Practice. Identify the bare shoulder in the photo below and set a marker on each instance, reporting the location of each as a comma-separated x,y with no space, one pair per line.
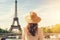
24,29
40,29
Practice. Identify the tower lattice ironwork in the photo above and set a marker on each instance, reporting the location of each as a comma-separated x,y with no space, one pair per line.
15,19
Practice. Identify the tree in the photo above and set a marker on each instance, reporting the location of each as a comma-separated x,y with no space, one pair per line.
56,28
3,31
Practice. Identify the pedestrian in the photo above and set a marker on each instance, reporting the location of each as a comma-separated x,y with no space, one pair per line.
3,38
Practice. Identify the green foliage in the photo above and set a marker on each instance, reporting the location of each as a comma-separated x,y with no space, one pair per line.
49,30
21,32
46,30
3,31
56,28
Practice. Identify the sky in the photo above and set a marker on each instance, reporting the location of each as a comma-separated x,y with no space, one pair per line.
48,10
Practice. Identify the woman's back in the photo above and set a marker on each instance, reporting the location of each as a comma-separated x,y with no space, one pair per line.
28,36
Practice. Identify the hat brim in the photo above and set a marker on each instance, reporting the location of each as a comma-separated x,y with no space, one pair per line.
34,20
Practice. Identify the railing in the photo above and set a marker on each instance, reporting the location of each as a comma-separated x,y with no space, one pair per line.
10,35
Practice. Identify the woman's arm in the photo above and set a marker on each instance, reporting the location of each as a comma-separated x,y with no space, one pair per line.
23,34
40,33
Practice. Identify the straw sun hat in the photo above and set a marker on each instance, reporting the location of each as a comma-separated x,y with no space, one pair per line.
32,18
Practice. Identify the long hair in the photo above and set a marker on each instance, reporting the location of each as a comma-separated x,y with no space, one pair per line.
33,28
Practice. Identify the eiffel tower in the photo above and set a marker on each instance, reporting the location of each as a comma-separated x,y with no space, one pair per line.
15,19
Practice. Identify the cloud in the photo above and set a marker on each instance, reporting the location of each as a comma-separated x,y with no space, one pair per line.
48,10
3,1
6,18
50,13
7,14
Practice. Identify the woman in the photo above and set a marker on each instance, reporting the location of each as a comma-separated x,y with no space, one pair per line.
31,31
